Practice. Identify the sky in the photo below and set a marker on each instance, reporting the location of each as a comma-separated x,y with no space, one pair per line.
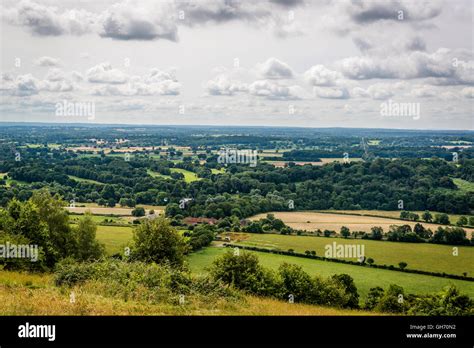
375,64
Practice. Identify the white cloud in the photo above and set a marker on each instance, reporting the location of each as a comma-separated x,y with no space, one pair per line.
47,20
468,92
331,92
104,73
156,83
133,20
272,90
222,85
437,65
319,75
273,68
46,61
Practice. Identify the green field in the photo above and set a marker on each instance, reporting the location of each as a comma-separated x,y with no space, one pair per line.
464,185
75,178
9,182
364,277
99,219
218,171
115,238
435,257
188,176
157,175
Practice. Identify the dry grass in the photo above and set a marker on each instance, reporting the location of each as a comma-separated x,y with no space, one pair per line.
312,221
280,164
96,210
45,299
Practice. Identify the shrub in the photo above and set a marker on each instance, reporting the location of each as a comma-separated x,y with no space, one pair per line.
373,297
242,271
392,301
448,302
350,288
140,281
157,241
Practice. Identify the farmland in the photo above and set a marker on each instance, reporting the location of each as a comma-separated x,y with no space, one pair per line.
98,176
435,258
311,221
364,277
115,238
395,214
117,211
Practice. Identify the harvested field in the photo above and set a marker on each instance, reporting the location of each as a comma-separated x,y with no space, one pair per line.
311,221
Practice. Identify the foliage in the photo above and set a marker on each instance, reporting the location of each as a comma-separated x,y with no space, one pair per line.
157,241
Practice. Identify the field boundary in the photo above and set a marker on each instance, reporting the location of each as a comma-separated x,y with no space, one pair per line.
384,217
354,263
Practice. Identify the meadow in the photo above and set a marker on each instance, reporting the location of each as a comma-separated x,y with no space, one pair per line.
364,277
188,176
115,238
420,256
95,209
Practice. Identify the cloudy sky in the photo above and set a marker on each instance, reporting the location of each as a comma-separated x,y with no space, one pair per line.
306,63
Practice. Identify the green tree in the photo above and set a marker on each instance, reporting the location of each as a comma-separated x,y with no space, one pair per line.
471,221
159,242
442,219
404,215
88,248
52,212
426,216
243,271
350,288
462,221
393,301
139,211
377,233
373,297
402,265
345,232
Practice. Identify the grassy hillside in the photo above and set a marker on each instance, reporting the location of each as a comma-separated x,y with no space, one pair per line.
27,294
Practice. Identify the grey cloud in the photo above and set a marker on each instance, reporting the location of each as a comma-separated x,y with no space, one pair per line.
130,21
104,73
139,20
275,69
46,61
437,65
272,90
331,92
288,3
47,21
363,12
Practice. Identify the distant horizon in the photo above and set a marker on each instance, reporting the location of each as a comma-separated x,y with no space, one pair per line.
24,123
